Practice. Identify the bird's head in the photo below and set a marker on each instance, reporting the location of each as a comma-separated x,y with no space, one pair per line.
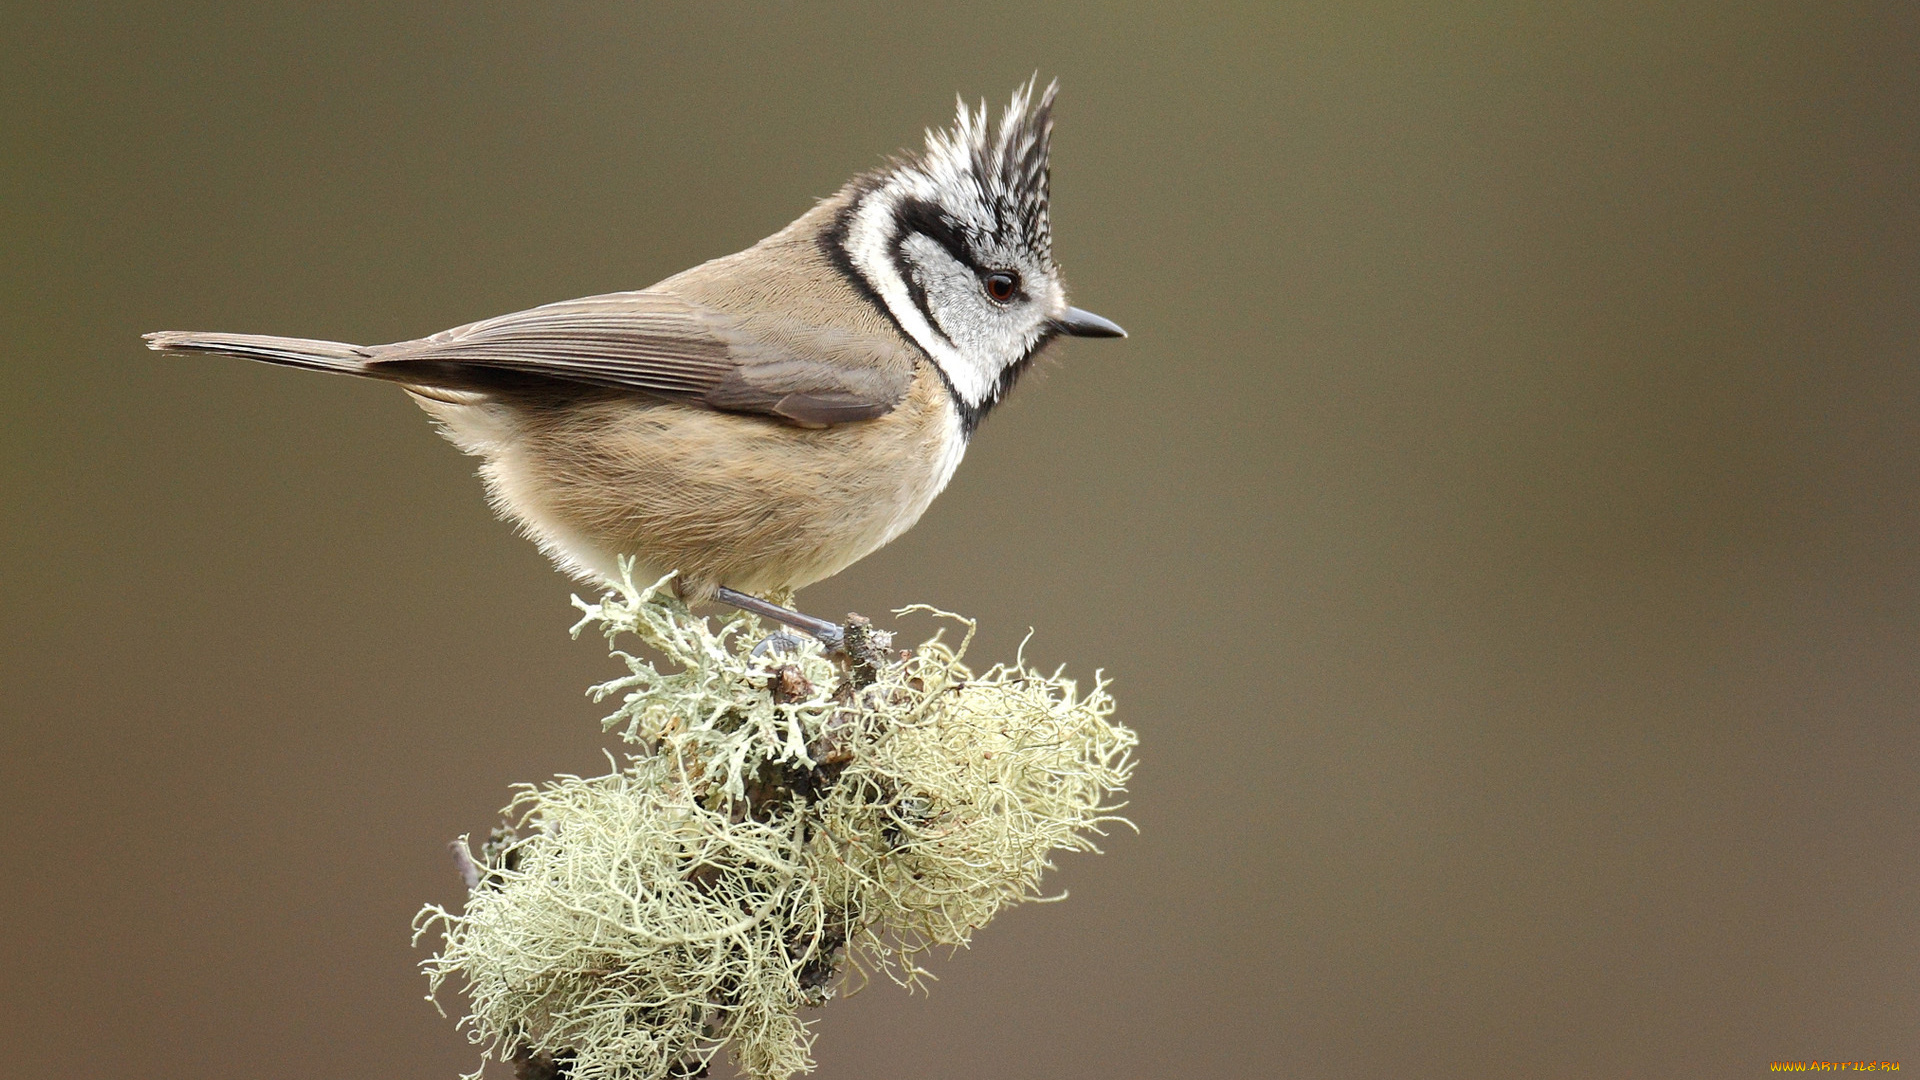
956,243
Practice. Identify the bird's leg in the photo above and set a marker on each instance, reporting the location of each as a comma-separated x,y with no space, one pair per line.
830,634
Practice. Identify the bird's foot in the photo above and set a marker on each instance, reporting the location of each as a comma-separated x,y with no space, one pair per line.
830,634
864,649
778,643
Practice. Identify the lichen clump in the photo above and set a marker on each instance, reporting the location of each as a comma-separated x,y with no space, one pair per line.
789,816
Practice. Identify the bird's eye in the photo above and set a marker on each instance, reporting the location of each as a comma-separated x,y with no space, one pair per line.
1001,285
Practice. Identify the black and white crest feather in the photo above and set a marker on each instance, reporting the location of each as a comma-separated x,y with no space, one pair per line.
921,235
1006,167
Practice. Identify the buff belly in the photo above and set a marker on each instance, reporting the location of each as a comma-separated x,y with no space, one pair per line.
725,499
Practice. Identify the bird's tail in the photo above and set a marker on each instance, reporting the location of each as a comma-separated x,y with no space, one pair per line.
334,356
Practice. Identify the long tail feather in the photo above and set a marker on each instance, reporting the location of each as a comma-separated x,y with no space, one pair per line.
334,356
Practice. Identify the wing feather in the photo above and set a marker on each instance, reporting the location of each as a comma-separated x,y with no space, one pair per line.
657,343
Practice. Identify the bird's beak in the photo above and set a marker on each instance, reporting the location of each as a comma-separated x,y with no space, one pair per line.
1078,323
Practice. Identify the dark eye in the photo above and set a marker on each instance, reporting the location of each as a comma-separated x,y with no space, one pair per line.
1002,284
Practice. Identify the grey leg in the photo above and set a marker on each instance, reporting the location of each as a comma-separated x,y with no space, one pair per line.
831,634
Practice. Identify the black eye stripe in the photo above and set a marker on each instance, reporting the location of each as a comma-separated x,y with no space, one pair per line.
920,216
926,219
916,292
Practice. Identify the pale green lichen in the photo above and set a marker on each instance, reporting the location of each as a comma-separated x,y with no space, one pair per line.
782,819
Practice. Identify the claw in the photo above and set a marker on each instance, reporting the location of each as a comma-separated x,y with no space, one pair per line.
778,643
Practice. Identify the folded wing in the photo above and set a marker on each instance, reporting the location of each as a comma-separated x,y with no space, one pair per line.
649,342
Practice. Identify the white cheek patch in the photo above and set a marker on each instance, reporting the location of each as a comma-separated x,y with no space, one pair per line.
870,239
993,336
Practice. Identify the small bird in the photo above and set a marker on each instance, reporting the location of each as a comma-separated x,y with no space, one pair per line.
766,419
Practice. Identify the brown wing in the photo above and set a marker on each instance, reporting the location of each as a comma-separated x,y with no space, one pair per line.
656,343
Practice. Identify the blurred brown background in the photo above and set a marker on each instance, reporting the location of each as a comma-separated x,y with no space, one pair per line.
1503,525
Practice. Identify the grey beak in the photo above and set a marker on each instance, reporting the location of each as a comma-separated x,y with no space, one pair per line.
1078,323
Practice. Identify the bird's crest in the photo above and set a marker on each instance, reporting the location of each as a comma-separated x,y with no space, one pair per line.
999,172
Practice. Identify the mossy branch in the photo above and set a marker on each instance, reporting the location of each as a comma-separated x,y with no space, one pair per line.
787,818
